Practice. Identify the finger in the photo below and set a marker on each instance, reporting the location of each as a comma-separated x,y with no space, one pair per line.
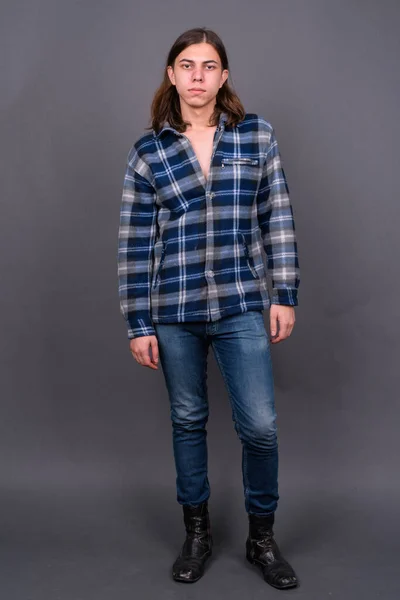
281,335
273,324
284,333
147,362
152,366
138,356
154,351
291,327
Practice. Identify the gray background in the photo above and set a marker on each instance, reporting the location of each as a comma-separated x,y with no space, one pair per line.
87,503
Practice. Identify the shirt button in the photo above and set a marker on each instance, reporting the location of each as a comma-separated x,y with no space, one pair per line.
210,273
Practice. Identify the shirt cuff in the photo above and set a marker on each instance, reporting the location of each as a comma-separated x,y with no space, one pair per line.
141,328
284,296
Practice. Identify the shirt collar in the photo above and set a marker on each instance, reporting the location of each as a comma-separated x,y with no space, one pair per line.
167,127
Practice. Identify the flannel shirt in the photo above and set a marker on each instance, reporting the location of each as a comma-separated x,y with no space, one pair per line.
190,248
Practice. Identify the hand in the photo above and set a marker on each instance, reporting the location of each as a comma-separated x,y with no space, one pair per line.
140,350
283,316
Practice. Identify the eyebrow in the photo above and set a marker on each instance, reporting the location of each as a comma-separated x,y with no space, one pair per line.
192,61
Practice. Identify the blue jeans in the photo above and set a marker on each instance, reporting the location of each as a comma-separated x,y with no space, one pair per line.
242,349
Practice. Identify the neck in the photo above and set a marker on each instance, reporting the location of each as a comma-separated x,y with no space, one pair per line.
198,117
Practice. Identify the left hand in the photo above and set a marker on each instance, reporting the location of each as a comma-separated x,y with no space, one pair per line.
282,319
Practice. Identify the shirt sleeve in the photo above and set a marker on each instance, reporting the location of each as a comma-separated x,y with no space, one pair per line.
276,221
136,238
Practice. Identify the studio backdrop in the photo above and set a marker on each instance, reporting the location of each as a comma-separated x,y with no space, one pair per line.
83,427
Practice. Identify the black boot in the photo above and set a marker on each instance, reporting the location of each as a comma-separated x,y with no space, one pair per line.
262,550
189,566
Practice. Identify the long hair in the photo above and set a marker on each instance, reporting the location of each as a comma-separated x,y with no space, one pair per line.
166,105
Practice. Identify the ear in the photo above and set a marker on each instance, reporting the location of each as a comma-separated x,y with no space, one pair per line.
171,75
224,76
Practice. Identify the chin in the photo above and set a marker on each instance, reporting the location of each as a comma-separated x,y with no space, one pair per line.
196,101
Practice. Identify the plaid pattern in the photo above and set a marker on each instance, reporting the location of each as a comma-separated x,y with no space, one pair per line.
190,249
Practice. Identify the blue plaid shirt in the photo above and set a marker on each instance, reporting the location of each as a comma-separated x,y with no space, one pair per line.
190,248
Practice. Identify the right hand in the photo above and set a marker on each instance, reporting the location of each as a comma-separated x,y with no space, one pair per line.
140,349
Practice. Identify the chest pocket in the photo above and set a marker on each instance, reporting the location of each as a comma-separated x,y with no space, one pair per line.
244,169
228,161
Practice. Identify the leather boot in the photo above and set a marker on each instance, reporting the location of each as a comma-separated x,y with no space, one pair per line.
189,566
262,551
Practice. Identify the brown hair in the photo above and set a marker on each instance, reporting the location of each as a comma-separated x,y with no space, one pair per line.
166,106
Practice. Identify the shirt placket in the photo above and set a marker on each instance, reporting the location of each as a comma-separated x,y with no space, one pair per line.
213,310
212,295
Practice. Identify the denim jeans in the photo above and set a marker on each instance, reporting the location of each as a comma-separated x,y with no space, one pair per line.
242,350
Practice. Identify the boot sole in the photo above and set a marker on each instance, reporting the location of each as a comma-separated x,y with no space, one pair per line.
183,580
278,587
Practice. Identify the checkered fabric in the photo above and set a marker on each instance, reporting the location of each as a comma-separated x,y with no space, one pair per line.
190,248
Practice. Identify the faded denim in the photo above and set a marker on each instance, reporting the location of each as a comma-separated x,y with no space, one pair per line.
242,350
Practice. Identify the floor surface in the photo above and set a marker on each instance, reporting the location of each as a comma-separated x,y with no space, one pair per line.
98,545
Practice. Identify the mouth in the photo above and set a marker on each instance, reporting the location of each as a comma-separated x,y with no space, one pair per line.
196,91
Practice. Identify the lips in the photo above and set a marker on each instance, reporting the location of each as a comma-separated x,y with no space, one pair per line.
196,90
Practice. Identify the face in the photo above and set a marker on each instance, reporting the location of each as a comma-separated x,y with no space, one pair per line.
198,75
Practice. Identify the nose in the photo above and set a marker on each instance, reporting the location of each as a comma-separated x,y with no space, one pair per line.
197,75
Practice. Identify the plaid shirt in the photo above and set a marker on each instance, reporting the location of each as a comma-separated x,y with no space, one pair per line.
190,248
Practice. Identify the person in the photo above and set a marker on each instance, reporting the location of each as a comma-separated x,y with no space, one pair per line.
204,193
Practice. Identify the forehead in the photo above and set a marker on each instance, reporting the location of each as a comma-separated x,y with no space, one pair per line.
199,53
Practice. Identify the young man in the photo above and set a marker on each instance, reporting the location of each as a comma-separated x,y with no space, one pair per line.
204,193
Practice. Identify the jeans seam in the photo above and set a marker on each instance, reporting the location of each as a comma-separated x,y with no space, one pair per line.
244,459
208,409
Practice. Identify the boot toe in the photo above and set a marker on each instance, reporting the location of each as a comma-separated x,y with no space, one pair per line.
282,581
185,574
288,581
